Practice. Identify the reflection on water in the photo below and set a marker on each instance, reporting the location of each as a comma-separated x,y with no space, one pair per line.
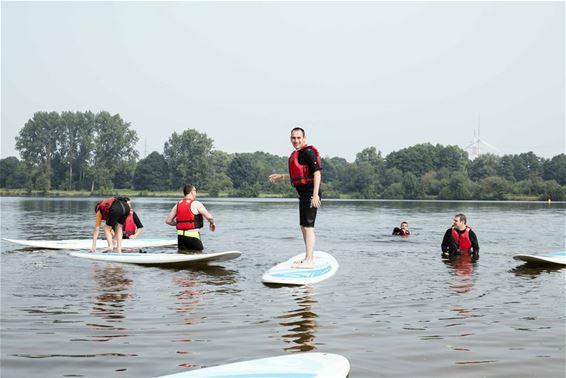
301,322
533,270
462,267
393,309
113,288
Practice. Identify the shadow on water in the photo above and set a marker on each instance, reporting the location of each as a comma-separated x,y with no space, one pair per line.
534,270
300,322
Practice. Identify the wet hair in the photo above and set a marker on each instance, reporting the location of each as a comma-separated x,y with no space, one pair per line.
188,188
299,129
97,206
402,223
462,217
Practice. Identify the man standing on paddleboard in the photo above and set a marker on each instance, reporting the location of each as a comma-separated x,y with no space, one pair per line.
305,174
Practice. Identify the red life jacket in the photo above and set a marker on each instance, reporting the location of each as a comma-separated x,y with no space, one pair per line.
129,224
104,207
463,239
301,174
186,220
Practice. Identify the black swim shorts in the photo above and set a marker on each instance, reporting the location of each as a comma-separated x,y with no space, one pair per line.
118,213
307,214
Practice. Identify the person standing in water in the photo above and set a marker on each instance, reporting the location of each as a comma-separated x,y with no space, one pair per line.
460,239
187,217
305,174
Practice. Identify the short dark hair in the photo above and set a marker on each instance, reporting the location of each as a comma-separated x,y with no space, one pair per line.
299,129
402,223
462,217
188,188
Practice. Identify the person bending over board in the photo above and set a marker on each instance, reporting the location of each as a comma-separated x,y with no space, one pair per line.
402,230
187,216
305,174
113,211
460,239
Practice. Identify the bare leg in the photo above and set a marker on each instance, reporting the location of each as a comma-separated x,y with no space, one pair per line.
109,238
118,233
309,238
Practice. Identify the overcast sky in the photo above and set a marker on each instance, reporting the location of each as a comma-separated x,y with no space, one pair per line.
354,75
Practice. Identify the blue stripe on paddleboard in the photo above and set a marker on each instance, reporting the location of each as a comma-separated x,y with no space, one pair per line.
555,254
303,273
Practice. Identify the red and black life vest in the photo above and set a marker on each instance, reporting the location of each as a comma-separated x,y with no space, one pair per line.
104,207
462,239
186,220
129,224
301,174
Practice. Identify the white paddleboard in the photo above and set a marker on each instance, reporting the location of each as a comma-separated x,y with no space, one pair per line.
87,243
157,258
325,266
296,365
547,258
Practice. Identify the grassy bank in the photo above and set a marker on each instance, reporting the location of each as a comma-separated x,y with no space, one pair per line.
173,194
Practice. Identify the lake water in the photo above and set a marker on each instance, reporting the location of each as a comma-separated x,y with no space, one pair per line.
394,309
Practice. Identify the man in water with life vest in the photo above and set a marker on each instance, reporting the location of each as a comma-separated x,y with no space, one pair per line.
402,230
305,175
113,211
460,239
187,216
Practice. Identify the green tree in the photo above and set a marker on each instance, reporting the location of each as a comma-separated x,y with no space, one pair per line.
188,156
418,159
459,188
493,188
114,144
553,190
37,142
13,173
452,157
484,166
152,173
555,169
243,169
411,187
505,168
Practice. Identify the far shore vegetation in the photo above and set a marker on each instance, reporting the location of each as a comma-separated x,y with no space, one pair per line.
79,154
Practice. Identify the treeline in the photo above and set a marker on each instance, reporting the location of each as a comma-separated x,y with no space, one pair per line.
96,152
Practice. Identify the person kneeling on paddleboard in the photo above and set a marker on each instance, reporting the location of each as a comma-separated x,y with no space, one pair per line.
460,239
113,211
187,217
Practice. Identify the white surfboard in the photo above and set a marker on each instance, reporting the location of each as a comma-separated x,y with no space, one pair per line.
547,258
325,266
158,258
87,243
296,365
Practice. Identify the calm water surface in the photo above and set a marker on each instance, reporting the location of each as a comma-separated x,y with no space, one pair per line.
394,309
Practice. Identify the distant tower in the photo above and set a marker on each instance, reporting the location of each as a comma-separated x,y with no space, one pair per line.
479,146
